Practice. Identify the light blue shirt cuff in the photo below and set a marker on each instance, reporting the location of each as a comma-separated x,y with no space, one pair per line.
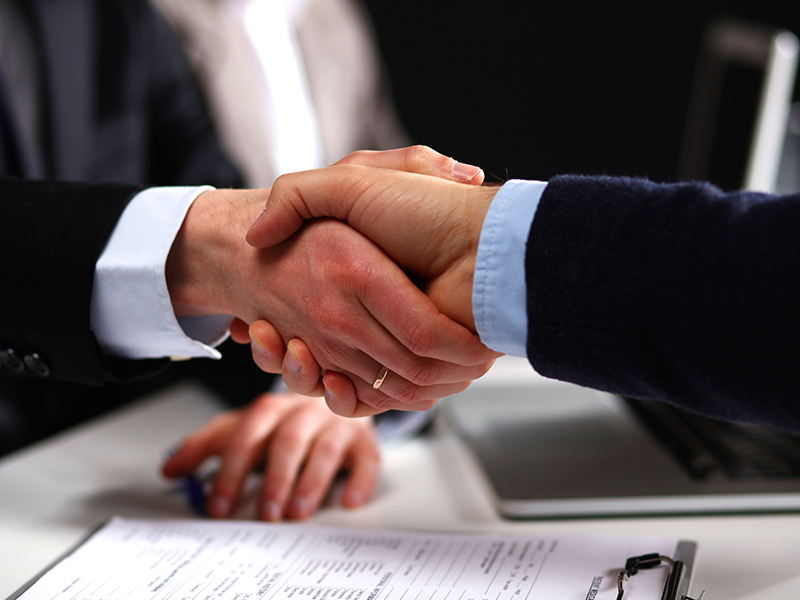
499,299
132,314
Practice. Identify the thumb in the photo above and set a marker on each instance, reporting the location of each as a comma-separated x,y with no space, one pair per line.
329,193
297,197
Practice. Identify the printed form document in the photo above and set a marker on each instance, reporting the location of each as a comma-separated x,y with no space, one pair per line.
244,560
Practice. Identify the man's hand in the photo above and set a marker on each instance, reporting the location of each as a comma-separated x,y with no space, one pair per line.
331,287
429,226
300,445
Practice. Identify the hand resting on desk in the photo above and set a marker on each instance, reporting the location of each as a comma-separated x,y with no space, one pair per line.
301,447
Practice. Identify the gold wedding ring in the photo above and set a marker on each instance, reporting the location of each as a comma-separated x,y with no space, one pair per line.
381,376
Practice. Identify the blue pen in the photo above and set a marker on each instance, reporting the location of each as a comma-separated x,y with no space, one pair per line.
195,490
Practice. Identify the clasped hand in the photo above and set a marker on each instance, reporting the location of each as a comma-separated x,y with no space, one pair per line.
354,309
409,204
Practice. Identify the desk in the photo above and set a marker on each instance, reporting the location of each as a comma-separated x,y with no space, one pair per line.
54,492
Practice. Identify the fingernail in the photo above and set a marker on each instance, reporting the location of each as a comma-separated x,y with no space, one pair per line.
219,506
254,343
292,363
301,507
353,498
270,510
465,172
261,216
330,398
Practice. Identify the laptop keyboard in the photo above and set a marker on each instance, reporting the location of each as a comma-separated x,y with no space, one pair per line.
706,447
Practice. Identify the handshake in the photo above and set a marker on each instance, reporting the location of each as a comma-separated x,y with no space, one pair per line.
369,302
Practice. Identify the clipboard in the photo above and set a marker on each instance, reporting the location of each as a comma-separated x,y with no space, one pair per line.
228,560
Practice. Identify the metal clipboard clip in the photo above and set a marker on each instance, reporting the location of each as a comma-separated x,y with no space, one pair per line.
648,561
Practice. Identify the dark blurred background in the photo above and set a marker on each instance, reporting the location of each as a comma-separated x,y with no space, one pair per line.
531,89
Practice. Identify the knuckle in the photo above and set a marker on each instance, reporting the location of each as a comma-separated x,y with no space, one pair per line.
418,155
409,394
329,447
380,401
281,182
277,484
335,320
289,441
416,399
237,447
356,157
419,339
263,402
423,373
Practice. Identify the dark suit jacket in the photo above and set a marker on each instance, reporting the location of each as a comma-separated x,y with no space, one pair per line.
118,105
673,292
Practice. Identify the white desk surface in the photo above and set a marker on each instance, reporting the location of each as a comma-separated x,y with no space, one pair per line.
51,495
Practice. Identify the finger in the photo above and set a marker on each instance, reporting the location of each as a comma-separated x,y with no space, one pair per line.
417,159
201,444
348,396
422,328
364,464
395,393
267,346
243,450
356,342
387,318
325,458
239,332
401,329
287,450
301,372
340,396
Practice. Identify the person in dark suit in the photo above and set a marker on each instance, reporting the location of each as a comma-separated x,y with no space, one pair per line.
115,103
98,107
676,292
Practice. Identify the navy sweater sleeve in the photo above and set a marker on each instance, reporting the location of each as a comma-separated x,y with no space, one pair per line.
680,293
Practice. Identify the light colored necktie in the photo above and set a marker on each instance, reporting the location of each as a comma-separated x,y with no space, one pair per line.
270,25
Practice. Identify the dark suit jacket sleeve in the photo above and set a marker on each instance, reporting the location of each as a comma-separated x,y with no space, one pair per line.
49,271
119,105
671,292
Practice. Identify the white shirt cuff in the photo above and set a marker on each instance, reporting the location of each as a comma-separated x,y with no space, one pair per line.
499,299
132,314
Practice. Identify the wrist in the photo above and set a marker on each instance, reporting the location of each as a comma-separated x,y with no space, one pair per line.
208,252
452,290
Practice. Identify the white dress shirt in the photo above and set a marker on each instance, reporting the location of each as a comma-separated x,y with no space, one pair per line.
132,313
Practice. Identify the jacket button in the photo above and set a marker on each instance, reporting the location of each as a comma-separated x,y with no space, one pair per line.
36,365
11,361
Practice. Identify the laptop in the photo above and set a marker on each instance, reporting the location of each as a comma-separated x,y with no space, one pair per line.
551,449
